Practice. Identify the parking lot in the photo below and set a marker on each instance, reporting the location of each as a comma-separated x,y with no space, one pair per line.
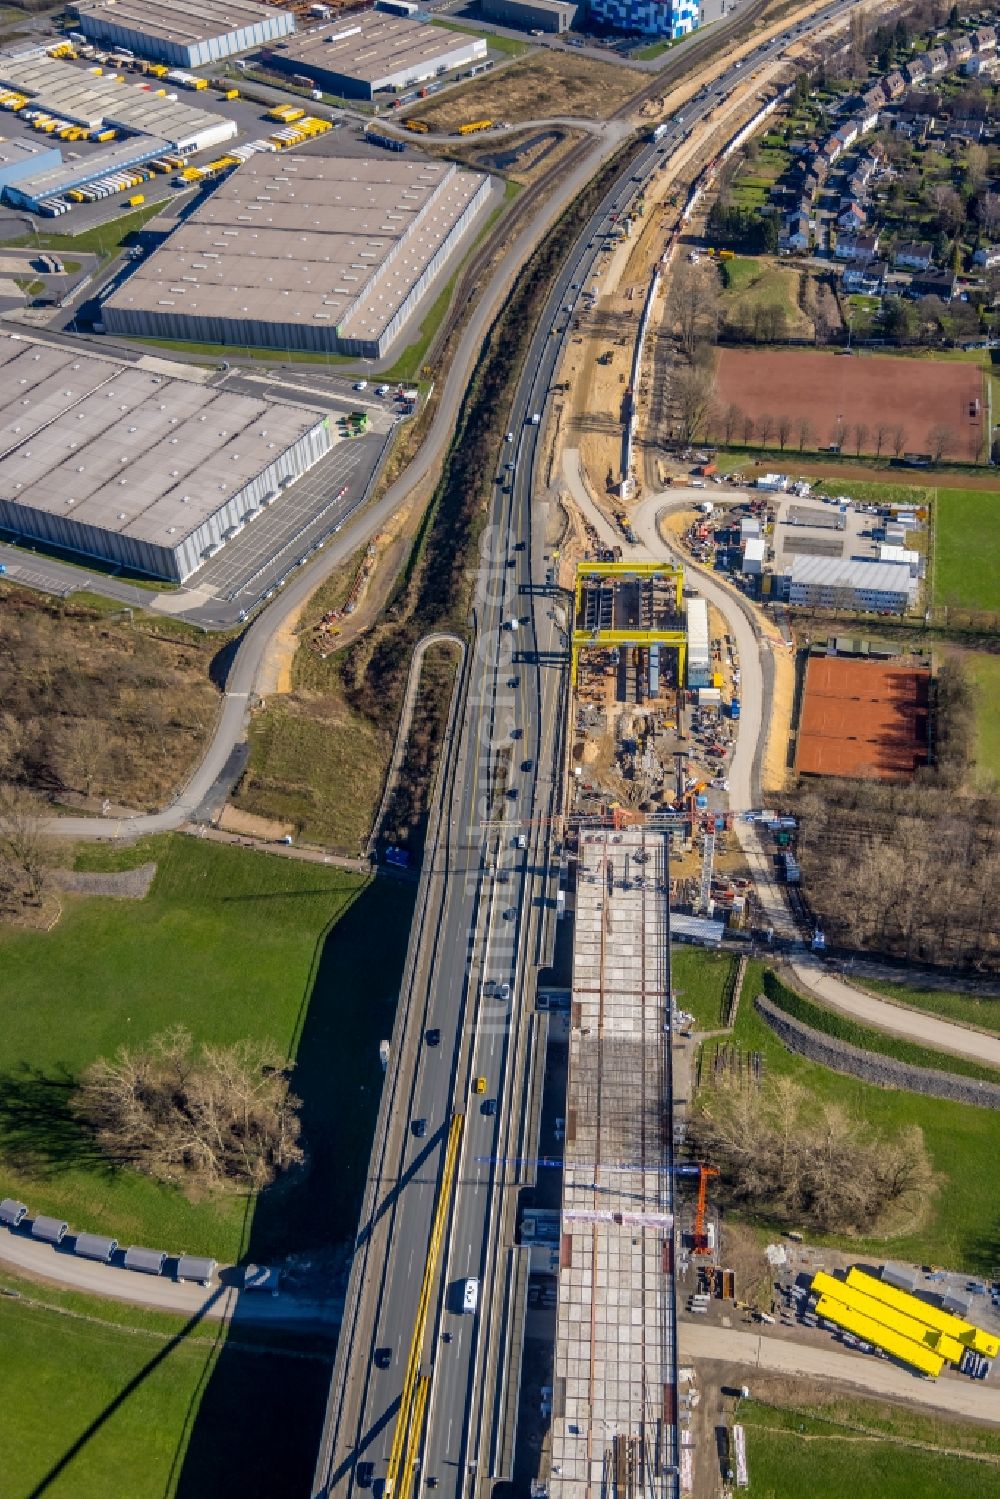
808,526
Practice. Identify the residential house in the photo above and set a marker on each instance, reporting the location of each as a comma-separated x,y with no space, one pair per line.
959,50
868,279
915,71
987,257
985,39
796,233
872,98
915,255
893,85
857,247
937,61
934,284
830,151
981,65
846,134
851,216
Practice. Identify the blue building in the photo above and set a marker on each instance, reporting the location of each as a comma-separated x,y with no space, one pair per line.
20,158
667,18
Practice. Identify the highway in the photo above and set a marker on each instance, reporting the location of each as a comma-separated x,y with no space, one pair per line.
485,915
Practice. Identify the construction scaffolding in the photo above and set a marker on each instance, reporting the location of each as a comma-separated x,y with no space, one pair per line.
614,1430
636,604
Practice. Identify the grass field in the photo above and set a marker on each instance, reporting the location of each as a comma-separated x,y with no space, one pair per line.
753,284
867,1450
984,670
963,1008
89,1408
830,1023
967,550
699,981
506,44
103,239
958,1226
877,494
230,943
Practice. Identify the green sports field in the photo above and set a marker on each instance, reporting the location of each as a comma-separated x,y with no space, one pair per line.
967,550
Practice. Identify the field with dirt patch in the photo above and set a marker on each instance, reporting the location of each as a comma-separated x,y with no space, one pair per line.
864,403
536,88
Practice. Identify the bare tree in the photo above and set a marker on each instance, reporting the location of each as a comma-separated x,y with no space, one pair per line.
882,432
899,440
732,419
837,432
765,427
25,852
784,428
693,302
693,392
860,437
749,427
977,167
805,433
208,1117
82,752
942,439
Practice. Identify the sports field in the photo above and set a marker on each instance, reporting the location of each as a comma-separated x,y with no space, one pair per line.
862,718
906,400
967,551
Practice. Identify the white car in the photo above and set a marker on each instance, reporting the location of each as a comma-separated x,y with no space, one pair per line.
361,385
382,390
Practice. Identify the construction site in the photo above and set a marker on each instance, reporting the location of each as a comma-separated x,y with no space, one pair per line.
655,714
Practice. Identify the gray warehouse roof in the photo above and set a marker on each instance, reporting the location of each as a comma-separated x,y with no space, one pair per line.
180,21
91,99
835,572
325,241
105,444
374,47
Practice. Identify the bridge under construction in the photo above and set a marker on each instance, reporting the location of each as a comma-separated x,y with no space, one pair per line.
614,1416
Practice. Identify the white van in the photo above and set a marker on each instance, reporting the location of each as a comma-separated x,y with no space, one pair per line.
470,1294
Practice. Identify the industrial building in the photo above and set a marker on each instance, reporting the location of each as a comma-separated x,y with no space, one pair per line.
152,122
306,251
20,159
184,33
838,583
364,55
666,18
531,15
699,652
108,460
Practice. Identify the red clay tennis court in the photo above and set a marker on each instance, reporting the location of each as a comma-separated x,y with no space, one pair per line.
862,718
834,394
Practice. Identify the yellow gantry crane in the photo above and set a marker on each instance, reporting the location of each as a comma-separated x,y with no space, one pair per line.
416,1387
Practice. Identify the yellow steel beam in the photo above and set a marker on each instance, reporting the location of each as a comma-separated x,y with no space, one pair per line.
416,1431
591,639
410,1386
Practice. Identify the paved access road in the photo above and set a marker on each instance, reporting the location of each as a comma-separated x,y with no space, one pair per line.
956,1395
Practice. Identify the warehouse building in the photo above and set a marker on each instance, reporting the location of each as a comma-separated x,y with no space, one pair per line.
303,251
367,54
153,474
839,583
184,33
667,18
20,159
531,15
152,124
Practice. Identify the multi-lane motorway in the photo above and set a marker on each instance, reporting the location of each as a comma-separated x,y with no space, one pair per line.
485,914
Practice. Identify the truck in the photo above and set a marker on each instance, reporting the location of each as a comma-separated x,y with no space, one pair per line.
136,200
660,132
470,1294
734,709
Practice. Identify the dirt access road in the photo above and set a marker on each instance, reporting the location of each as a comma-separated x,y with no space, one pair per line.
957,1396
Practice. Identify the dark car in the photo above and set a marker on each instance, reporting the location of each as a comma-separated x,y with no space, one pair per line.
365,1474
526,764
420,1128
513,682
383,1358
489,1106
434,1037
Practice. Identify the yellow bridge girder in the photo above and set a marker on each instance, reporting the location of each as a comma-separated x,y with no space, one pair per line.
596,639
672,571
413,1401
